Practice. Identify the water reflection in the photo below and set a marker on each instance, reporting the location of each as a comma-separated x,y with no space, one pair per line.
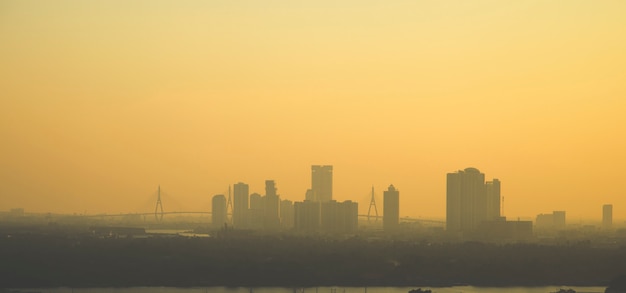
457,289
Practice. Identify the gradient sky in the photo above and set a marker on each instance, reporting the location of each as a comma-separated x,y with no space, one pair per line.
102,101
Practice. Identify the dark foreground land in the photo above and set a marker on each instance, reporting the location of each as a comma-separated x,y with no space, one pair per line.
33,260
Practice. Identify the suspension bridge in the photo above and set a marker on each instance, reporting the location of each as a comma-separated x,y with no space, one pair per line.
159,213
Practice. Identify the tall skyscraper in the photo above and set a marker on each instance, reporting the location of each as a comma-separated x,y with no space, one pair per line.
391,208
607,215
256,214
286,214
272,206
470,201
240,205
322,182
218,211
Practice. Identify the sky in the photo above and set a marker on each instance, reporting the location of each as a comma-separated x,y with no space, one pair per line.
103,101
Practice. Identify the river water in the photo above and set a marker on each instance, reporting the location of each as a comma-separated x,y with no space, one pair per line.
456,289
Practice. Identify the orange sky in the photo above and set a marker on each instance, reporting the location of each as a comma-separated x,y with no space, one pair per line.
102,101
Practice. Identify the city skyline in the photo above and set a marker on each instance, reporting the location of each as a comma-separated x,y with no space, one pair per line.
103,101
491,189
469,201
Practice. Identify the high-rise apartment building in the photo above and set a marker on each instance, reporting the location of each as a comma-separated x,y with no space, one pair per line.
322,182
256,213
307,216
339,217
240,205
286,214
470,201
272,206
607,215
391,208
218,211
328,217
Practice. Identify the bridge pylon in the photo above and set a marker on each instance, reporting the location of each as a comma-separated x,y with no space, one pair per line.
369,210
159,205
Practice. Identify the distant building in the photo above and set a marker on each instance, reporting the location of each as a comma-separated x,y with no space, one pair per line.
339,218
544,221
492,190
256,202
350,216
310,195
607,216
470,200
559,220
272,206
256,214
322,182
307,216
240,205
218,211
465,200
391,208
553,221
286,214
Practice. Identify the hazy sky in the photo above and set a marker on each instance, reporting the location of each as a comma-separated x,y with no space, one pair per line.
102,101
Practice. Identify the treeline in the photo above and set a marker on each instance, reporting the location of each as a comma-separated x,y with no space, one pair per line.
51,261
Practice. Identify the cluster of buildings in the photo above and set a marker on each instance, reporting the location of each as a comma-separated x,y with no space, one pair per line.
318,212
473,208
253,211
557,221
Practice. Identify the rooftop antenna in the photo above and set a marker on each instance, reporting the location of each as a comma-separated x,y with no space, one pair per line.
158,216
369,210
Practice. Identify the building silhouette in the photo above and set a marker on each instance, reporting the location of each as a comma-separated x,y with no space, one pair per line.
607,216
286,214
559,220
553,221
240,205
330,217
310,195
307,216
256,214
350,217
470,200
339,217
391,208
218,211
256,201
272,206
322,182
492,190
